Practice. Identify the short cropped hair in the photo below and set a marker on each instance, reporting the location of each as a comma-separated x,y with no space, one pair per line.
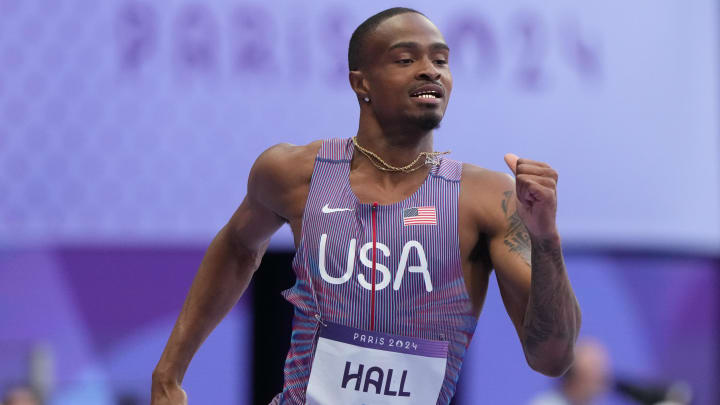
359,36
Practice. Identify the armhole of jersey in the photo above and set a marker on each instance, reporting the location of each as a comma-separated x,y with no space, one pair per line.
466,289
318,156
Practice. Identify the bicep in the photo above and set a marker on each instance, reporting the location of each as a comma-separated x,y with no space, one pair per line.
252,224
256,219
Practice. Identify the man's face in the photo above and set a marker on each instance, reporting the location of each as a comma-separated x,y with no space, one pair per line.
407,73
591,371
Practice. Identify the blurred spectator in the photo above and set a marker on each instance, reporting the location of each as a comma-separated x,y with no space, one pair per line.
586,381
20,395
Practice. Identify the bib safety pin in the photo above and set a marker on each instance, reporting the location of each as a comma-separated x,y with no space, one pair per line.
319,319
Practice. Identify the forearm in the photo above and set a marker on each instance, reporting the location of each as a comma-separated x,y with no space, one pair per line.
552,319
223,276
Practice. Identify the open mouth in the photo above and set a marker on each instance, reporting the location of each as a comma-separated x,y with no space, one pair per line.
428,92
427,95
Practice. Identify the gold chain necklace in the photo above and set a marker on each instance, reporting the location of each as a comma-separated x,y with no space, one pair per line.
431,158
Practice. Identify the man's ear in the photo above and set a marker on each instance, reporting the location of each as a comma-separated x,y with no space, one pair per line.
359,84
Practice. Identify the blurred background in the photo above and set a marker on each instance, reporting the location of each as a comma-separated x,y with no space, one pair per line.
127,129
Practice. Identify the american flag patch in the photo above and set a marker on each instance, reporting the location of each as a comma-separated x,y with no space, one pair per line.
419,216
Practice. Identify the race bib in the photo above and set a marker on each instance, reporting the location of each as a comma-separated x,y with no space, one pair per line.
358,367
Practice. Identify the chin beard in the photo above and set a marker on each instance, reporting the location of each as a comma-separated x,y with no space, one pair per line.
428,122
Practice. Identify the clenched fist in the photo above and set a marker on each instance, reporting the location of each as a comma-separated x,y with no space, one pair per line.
535,188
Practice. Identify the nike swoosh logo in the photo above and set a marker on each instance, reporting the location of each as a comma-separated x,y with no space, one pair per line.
328,210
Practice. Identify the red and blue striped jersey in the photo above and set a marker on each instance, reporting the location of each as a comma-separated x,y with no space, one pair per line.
419,286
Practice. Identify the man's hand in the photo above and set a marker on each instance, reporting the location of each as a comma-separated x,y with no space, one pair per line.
552,318
535,187
167,394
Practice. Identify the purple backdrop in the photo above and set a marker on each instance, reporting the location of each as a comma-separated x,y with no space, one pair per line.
105,314
127,128
134,120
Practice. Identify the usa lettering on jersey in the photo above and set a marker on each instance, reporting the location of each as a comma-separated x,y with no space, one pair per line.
402,267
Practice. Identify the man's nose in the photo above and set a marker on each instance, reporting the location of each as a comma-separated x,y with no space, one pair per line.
428,71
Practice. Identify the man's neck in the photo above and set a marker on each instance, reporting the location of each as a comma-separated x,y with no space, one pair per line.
395,146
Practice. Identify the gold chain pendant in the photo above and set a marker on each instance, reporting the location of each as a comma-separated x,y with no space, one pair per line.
431,158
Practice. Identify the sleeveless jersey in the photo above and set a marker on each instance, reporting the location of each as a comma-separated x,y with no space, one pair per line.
419,287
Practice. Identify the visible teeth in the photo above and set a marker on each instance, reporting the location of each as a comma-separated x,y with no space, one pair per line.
427,96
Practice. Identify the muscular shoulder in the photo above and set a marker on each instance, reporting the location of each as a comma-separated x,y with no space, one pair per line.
284,164
281,174
485,197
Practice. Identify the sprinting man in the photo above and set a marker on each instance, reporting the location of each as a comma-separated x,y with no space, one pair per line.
394,243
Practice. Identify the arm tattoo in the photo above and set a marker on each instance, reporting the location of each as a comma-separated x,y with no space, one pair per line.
552,316
516,238
552,312
547,318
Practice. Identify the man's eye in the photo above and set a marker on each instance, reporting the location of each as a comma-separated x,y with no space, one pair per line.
404,61
441,62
